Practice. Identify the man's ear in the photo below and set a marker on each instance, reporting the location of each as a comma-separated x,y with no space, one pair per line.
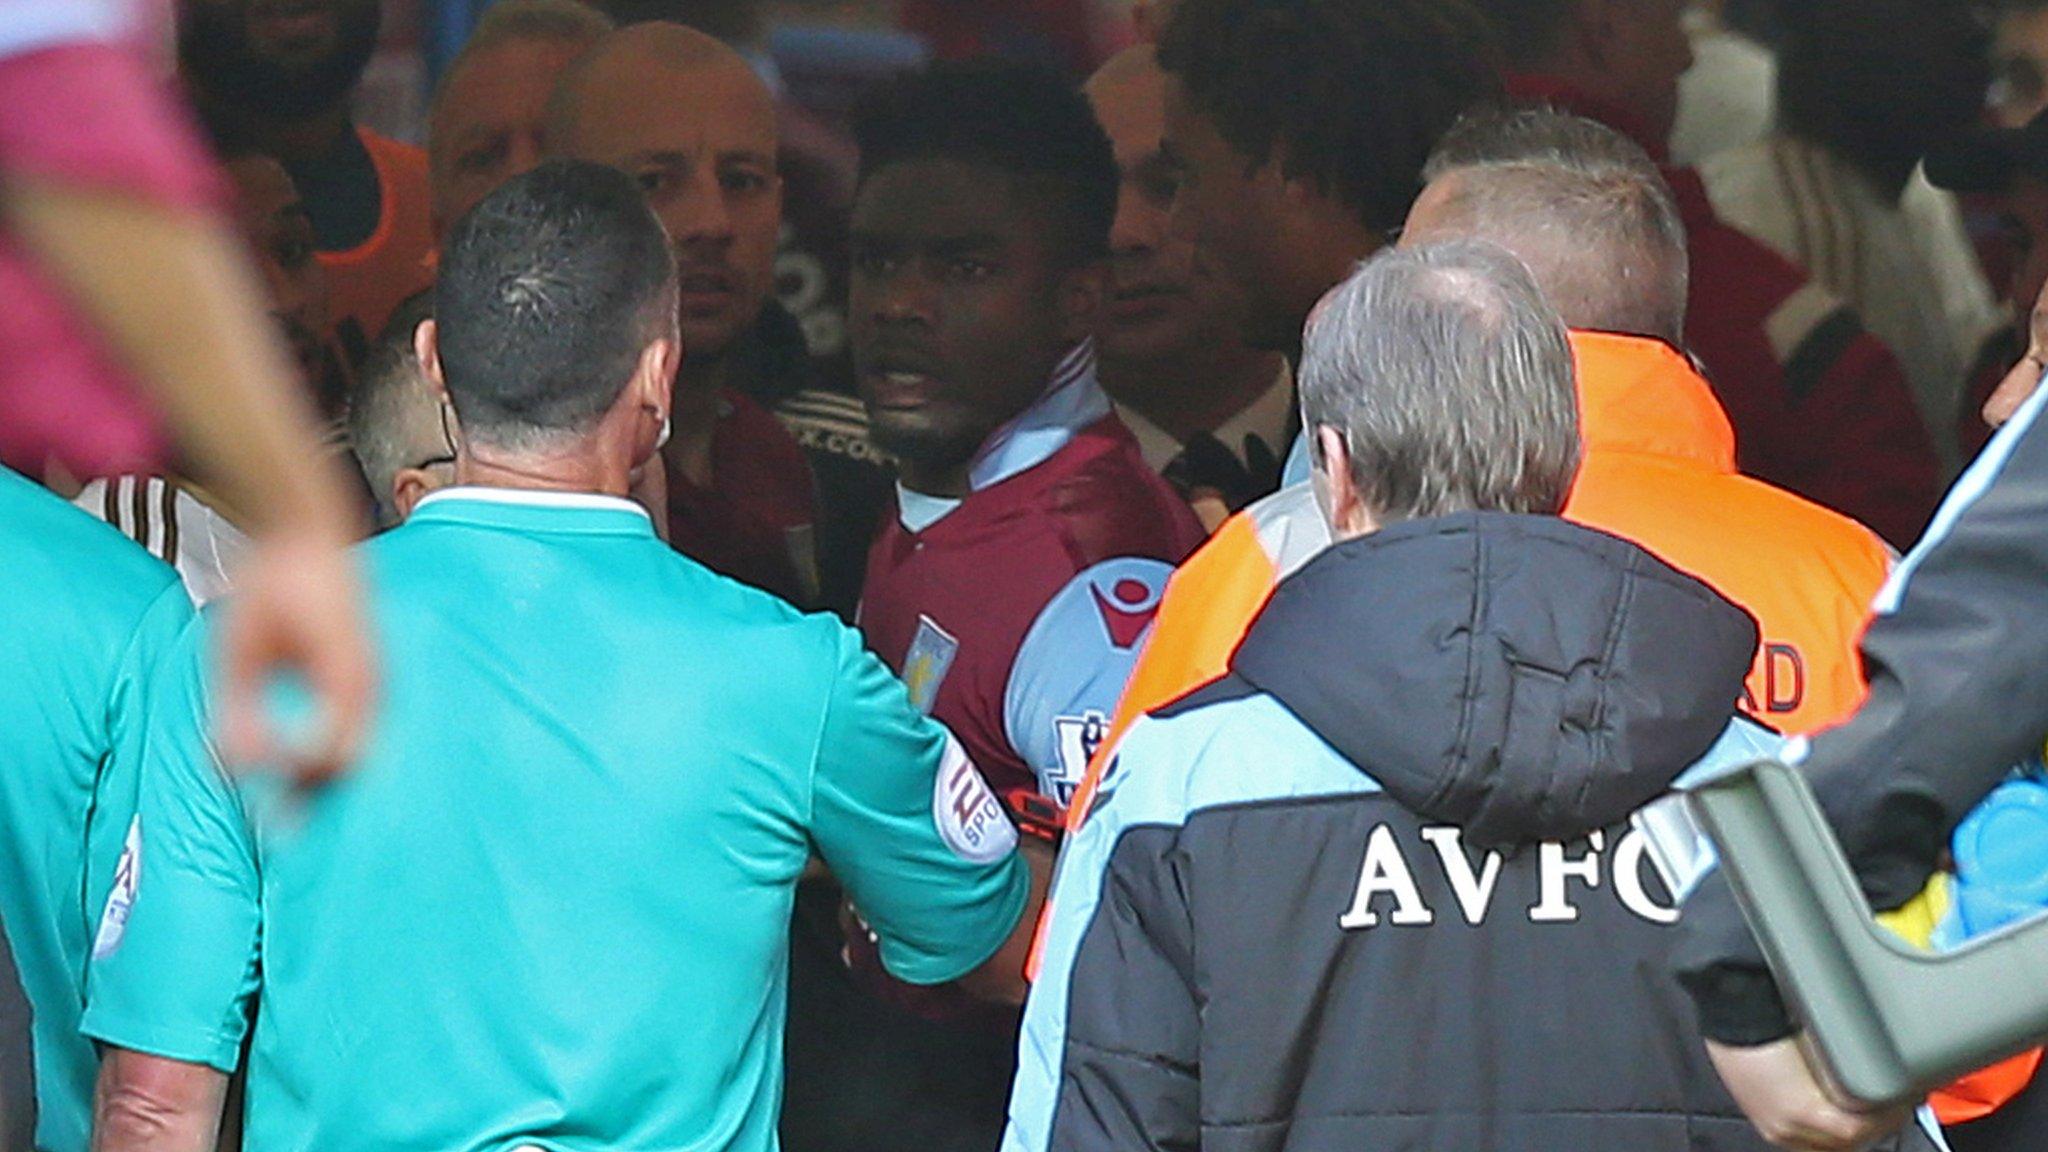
654,376
409,486
1083,291
426,348
651,393
1343,505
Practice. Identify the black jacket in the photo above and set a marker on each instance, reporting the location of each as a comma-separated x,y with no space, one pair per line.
1958,665
1378,888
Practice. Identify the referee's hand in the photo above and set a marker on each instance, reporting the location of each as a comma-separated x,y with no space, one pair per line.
1790,1107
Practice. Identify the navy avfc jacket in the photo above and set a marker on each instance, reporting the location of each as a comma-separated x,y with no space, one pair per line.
1378,887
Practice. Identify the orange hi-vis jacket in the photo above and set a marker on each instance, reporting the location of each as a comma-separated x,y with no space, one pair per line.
1658,470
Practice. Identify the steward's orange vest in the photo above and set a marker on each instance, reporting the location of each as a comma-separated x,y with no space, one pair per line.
1658,470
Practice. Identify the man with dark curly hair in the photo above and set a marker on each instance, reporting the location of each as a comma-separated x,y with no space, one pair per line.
1300,127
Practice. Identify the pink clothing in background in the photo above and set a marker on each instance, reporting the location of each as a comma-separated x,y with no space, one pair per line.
88,114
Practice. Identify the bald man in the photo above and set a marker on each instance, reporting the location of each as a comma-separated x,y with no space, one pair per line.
692,123
1211,414
490,112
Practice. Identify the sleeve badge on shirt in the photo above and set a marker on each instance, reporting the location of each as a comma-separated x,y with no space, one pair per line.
969,817
1076,738
925,666
127,881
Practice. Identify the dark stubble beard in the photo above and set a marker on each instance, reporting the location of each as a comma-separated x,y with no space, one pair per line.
214,51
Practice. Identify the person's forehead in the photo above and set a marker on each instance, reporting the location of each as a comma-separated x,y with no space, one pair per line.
934,201
503,82
630,103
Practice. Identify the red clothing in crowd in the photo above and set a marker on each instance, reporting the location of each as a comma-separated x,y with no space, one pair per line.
755,522
1819,405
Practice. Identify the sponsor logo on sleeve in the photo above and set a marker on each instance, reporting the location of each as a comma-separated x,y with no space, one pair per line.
1127,604
121,901
969,817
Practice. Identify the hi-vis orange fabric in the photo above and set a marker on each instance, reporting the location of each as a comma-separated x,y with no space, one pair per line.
1658,470
367,282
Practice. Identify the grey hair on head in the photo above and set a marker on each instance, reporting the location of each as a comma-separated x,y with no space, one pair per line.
1450,379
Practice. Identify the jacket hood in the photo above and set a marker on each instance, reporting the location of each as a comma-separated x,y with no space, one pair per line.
1519,676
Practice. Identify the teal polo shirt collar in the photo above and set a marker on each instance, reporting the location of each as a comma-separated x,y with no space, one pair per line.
529,510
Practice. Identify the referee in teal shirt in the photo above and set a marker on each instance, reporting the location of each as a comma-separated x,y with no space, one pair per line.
86,614
549,907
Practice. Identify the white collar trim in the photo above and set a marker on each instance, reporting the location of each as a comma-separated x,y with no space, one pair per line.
533,498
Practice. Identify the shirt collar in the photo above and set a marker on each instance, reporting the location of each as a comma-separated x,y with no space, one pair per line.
1072,400
462,501
1270,417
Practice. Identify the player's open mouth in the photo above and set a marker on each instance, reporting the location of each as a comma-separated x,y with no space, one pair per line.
899,381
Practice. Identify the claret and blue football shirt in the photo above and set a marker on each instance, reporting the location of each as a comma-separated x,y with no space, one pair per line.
549,906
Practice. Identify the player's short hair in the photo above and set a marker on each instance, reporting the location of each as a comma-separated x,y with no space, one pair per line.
1017,119
391,396
549,290
1350,95
1582,205
1450,379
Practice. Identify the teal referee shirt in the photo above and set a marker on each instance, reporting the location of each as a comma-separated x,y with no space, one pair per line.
84,615
550,905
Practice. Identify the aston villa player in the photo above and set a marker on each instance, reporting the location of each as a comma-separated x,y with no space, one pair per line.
1030,542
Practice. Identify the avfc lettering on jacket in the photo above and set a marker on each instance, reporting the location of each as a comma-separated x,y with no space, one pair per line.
1072,666
1398,865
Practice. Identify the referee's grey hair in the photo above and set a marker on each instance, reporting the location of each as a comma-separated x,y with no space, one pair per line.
1450,379
1582,205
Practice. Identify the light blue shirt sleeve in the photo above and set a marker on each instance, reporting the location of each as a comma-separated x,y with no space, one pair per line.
907,824
174,963
1072,666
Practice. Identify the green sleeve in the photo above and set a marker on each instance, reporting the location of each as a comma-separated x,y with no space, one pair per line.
906,823
174,962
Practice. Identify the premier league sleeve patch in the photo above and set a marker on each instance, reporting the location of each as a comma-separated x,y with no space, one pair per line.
121,901
969,818
1072,666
